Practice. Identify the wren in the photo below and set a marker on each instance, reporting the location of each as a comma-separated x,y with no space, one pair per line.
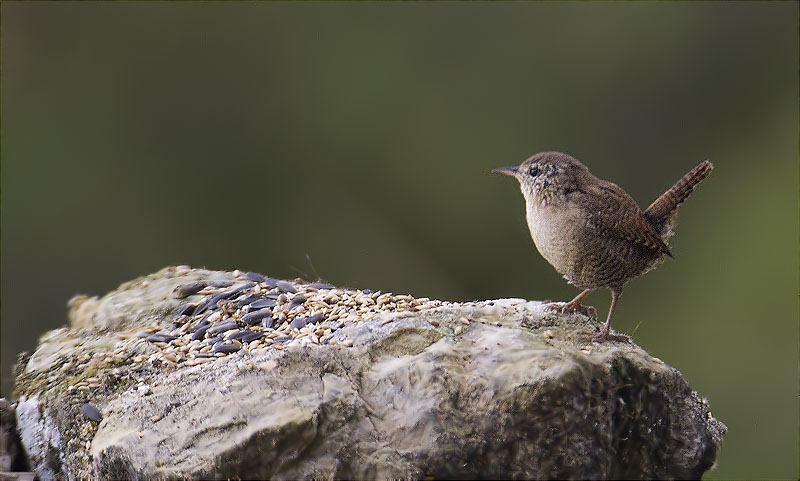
591,230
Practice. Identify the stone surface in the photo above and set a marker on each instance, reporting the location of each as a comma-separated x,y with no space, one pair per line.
378,386
13,465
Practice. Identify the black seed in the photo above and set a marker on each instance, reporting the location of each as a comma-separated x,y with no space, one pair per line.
221,296
247,300
225,347
213,300
214,340
282,339
166,337
222,327
298,323
236,290
367,291
262,303
222,283
252,336
267,322
315,318
202,307
91,412
285,286
238,334
255,276
202,323
185,310
298,299
204,355
271,282
200,333
272,295
246,335
186,290
158,337
339,326
252,318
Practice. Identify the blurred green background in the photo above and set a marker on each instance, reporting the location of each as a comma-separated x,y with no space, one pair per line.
244,135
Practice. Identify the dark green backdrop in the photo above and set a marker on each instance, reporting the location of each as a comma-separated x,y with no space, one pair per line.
242,135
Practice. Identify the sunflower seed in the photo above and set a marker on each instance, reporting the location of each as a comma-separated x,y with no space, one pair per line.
262,303
236,290
298,323
91,412
315,318
285,286
246,335
158,337
225,347
185,310
247,300
255,276
202,307
186,290
271,282
252,318
222,327
213,300
200,333
221,296
202,323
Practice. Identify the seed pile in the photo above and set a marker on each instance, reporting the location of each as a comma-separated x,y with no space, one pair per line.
257,312
241,312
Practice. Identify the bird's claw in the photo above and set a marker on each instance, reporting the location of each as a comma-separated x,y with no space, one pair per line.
570,308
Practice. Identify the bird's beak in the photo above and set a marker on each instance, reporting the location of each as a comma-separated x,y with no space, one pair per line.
512,171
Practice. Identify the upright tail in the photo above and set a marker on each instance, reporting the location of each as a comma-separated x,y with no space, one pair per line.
662,211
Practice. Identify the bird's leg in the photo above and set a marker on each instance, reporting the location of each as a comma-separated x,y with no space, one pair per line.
574,305
604,333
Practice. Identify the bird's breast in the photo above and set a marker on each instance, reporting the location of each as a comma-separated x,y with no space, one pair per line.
585,258
556,234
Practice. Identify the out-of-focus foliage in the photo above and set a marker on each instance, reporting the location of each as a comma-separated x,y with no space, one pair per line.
253,135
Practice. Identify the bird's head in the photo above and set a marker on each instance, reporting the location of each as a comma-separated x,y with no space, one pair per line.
547,175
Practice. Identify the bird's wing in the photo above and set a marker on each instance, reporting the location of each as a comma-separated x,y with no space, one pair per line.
613,213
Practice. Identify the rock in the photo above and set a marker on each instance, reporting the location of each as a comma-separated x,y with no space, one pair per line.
382,386
13,465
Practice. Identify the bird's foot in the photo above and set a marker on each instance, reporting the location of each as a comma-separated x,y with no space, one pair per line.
572,307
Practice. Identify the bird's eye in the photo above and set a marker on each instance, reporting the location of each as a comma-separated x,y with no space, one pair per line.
534,171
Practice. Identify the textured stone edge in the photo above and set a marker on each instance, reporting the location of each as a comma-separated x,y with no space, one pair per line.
47,438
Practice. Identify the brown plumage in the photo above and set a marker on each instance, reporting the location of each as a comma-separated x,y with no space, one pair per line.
590,229
661,213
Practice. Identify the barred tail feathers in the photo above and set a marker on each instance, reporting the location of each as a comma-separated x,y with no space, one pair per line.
662,211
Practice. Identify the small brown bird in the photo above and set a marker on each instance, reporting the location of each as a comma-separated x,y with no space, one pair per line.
590,229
